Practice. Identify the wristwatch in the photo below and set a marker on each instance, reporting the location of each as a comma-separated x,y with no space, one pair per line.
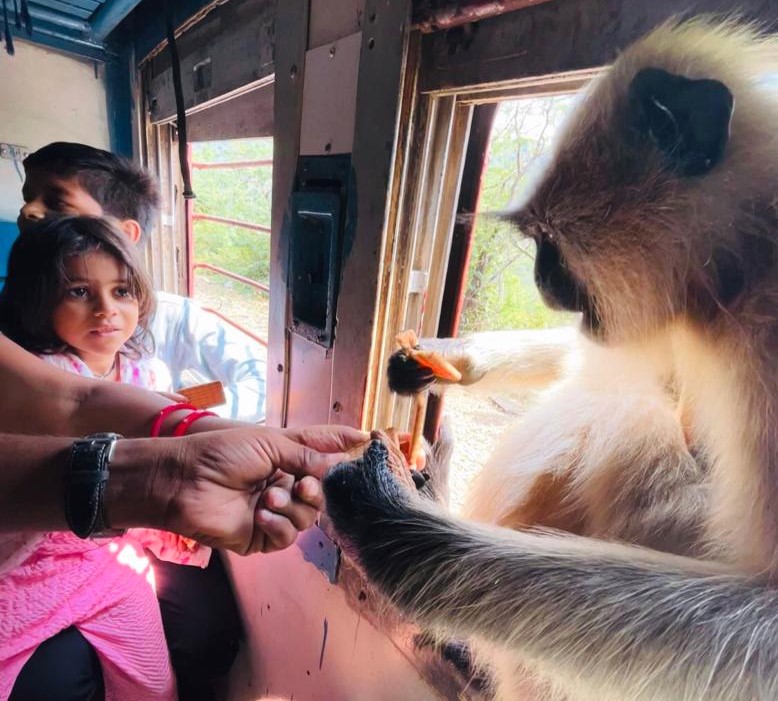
85,481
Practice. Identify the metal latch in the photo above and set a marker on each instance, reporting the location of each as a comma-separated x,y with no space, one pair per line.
417,282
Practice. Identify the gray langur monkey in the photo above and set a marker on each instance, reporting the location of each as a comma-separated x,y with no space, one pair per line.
657,220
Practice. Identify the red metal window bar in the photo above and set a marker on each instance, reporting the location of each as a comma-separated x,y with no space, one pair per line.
194,265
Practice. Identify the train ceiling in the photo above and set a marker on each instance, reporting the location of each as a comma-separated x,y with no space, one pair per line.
75,26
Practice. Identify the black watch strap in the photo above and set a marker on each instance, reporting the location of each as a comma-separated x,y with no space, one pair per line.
85,482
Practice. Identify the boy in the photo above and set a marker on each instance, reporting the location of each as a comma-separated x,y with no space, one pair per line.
68,178
199,614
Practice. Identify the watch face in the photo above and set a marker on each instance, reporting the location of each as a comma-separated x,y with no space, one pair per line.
107,438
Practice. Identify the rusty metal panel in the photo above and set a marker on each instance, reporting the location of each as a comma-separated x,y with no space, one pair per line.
380,85
331,21
554,37
305,642
310,377
436,15
329,97
230,49
244,117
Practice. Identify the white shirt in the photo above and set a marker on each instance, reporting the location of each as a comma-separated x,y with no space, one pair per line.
190,340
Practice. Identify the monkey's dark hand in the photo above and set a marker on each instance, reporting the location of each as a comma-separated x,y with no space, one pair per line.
378,518
413,369
362,495
406,375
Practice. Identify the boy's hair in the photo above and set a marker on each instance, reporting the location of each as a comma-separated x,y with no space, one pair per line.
122,188
38,278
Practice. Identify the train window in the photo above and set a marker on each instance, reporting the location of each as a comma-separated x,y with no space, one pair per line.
468,271
500,292
229,240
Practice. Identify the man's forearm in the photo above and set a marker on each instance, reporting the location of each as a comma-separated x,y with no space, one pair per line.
32,482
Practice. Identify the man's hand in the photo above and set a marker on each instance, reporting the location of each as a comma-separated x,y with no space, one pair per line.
236,488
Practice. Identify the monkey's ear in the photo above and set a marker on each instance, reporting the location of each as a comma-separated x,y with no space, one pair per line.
687,119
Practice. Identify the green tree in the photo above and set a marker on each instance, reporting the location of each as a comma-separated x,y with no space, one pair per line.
243,194
501,293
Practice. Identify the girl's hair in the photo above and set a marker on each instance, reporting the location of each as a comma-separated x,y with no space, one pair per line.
38,278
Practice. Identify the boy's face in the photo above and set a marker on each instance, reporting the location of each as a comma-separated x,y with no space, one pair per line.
47,195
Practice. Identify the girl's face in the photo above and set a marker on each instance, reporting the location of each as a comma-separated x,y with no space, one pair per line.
97,313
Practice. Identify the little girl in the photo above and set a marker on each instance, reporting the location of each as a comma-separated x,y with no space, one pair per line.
77,295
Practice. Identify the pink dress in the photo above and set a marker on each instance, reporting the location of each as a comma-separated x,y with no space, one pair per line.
103,587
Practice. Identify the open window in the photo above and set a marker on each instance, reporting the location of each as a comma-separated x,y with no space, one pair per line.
229,231
473,150
216,246
489,281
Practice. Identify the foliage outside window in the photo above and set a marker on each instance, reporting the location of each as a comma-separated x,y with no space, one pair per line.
242,194
501,293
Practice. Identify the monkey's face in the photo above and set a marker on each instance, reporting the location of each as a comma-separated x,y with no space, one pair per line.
613,217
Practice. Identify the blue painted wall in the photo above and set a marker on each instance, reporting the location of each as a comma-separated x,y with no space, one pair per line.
8,234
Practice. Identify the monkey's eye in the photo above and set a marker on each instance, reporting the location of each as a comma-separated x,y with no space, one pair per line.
537,232
528,227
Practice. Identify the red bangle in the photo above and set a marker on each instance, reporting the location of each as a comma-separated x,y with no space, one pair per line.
188,420
164,413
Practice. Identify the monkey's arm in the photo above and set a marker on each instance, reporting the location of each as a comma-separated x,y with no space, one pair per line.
493,359
623,622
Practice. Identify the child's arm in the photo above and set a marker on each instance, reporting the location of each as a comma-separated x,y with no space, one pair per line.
38,398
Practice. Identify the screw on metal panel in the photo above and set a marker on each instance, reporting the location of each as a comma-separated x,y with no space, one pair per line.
333,50
337,407
293,72
280,367
370,43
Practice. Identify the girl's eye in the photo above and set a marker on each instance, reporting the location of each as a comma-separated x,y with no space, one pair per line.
78,292
123,292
